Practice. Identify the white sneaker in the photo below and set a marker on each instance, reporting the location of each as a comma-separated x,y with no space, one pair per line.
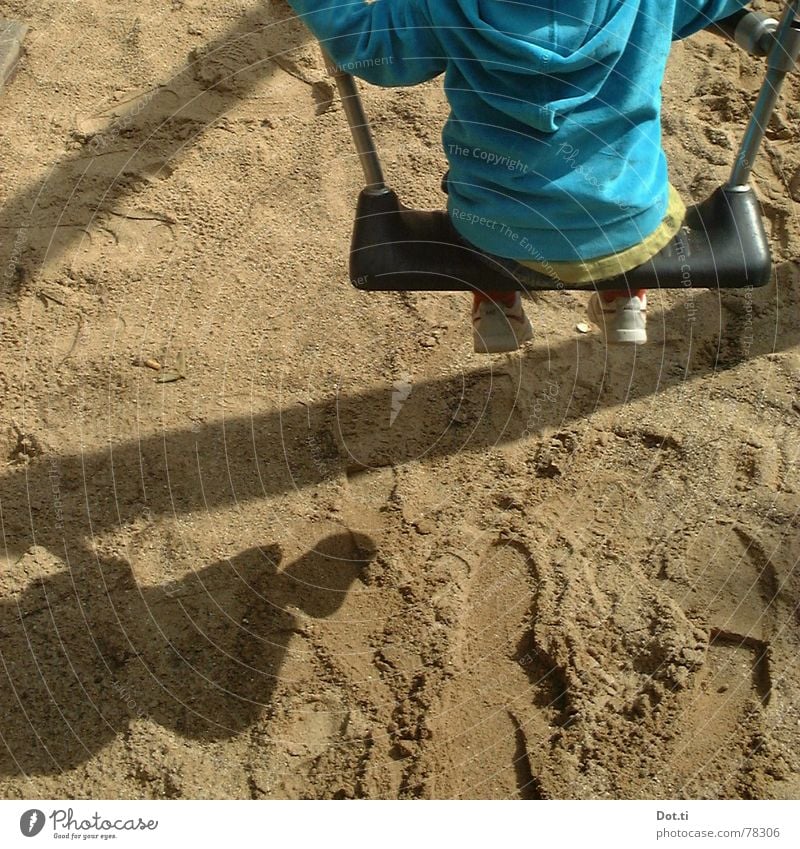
497,328
623,320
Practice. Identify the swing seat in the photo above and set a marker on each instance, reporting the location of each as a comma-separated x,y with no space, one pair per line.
722,245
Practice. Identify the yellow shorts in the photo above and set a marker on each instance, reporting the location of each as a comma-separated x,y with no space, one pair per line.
612,265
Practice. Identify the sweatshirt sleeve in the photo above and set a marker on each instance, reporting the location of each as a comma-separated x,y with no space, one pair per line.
385,42
693,15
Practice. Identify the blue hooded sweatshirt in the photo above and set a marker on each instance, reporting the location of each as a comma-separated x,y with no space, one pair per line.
554,134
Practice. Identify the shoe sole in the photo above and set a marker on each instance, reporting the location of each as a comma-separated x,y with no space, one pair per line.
614,336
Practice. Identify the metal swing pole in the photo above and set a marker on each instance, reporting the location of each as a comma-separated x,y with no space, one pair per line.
359,127
782,58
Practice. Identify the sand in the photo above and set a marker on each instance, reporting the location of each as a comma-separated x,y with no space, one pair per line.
335,554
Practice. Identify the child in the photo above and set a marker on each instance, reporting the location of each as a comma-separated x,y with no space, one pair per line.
554,135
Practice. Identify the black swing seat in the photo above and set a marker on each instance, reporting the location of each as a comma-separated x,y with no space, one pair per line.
722,245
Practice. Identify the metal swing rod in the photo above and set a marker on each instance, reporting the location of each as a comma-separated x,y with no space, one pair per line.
359,127
782,58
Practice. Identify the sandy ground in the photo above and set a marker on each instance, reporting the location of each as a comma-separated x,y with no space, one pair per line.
345,557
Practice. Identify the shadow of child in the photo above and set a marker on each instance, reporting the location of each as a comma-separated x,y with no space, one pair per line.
86,651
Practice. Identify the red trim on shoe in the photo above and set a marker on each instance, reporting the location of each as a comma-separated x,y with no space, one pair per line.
507,299
612,294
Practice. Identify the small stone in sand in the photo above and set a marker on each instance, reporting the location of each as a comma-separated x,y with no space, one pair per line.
425,526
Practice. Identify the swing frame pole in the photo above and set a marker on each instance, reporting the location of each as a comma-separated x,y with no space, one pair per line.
782,59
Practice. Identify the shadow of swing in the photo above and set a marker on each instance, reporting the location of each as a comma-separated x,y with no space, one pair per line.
63,502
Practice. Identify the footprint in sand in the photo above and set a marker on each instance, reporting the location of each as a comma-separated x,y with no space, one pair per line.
733,588
722,719
504,697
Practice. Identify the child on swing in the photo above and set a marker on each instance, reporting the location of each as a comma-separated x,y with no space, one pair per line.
554,133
